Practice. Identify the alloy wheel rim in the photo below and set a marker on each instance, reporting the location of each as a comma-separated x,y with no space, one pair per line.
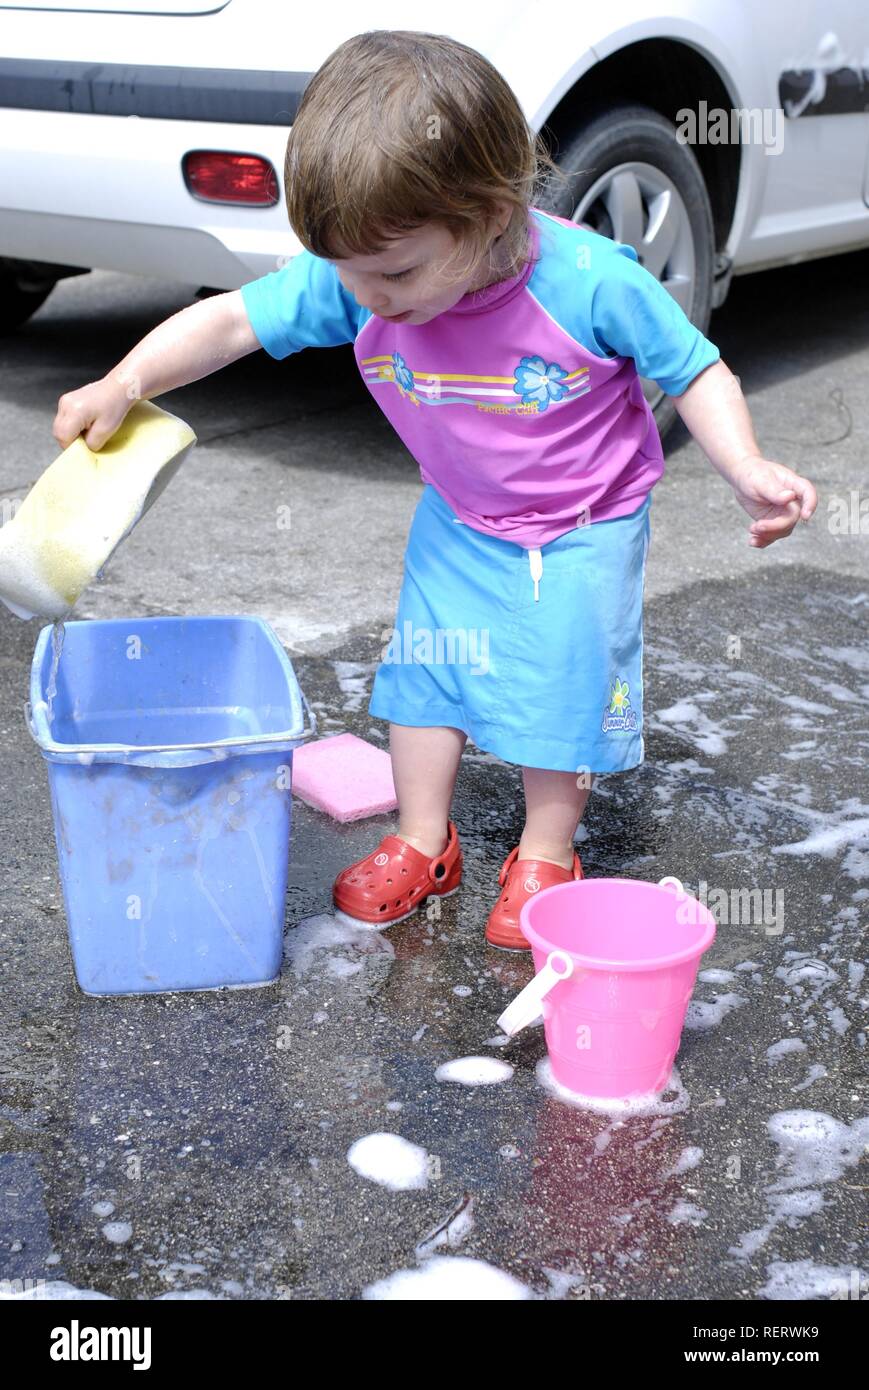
637,204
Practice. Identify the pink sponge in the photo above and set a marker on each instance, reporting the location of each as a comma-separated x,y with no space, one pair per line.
345,777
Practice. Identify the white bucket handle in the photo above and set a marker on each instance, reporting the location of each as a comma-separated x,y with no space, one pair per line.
525,1008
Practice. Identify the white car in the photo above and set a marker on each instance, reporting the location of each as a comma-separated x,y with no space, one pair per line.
717,137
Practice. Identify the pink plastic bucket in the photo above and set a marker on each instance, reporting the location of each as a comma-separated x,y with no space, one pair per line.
613,1028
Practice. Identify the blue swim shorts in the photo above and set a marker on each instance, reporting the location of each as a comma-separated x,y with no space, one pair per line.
537,655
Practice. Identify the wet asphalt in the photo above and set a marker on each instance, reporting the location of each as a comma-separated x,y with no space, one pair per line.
197,1143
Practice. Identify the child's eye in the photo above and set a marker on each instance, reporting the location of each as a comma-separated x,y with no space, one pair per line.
400,274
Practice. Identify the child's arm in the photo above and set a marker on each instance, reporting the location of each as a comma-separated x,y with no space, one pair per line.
301,305
187,346
714,410
632,314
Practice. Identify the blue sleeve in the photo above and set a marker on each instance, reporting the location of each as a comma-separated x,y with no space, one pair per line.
634,316
301,305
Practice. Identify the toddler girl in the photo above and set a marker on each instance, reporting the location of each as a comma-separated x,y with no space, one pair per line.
505,345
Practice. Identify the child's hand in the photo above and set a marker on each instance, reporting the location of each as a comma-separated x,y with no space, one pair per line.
774,495
95,411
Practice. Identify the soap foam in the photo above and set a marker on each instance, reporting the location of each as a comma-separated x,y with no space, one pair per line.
685,1213
784,1049
389,1160
50,1290
315,934
803,1279
651,1103
814,1148
707,1013
450,1278
475,1071
689,1158
815,1072
118,1232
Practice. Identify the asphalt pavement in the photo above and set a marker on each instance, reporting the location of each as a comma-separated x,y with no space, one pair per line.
200,1145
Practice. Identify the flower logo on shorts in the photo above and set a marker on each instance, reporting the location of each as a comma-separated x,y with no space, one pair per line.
619,717
619,701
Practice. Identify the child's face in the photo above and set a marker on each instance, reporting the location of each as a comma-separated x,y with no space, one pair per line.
422,292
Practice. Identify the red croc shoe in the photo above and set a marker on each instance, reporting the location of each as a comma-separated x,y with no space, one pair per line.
392,881
521,878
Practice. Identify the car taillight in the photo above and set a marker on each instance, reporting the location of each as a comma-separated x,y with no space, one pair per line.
219,176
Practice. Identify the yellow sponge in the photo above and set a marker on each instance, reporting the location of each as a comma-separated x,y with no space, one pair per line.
82,507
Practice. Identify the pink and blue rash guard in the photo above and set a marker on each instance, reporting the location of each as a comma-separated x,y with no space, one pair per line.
522,404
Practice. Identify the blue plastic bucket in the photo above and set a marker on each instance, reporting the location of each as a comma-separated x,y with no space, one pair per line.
169,745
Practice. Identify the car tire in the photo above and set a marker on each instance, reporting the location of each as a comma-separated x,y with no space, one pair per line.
617,163
21,294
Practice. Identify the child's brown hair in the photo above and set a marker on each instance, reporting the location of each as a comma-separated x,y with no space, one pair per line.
399,128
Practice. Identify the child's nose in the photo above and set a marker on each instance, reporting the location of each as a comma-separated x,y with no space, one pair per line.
377,308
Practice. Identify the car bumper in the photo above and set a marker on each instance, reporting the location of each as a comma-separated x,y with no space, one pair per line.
107,192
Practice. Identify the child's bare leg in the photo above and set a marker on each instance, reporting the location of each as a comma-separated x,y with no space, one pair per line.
554,806
425,764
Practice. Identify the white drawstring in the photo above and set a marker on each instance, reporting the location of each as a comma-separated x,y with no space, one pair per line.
535,559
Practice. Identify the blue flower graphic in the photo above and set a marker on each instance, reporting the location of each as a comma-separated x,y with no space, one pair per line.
403,374
535,381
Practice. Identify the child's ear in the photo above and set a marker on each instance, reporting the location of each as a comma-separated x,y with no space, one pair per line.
500,220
